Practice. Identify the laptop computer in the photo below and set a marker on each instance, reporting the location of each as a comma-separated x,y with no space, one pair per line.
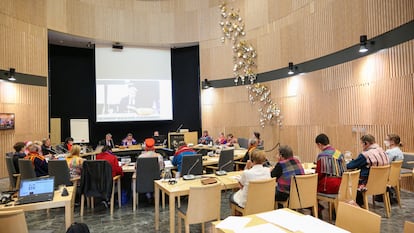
36,190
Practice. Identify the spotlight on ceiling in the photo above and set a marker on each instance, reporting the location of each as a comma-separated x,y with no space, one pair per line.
291,68
206,84
11,74
363,44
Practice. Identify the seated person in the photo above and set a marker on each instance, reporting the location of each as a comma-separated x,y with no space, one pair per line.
19,147
260,142
47,148
39,162
221,139
182,150
252,147
287,167
74,161
372,155
159,139
112,159
205,139
107,141
150,152
330,166
393,143
68,144
129,140
254,170
231,140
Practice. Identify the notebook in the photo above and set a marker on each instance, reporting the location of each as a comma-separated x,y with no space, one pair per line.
36,190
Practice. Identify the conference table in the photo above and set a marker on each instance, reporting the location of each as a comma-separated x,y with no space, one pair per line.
58,201
182,188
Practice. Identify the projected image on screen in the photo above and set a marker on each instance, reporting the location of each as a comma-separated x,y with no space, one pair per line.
138,88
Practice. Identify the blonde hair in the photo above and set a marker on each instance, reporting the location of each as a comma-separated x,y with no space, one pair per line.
74,151
258,156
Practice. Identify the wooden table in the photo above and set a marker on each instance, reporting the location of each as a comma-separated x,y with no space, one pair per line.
255,220
58,201
182,188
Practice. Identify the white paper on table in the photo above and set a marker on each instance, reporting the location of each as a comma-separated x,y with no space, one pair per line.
168,164
267,227
310,224
283,218
233,223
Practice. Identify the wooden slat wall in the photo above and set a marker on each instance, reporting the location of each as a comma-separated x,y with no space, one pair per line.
23,46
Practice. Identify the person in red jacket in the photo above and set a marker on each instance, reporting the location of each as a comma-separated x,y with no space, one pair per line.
112,159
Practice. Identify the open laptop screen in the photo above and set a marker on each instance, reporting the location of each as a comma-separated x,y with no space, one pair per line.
36,186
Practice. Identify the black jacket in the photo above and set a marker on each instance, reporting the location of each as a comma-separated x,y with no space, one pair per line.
96,179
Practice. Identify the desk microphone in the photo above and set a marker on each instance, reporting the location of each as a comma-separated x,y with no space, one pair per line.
179,127
191,176
221,172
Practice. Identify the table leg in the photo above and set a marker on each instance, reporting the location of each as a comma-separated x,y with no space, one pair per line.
157,206
134,194
163,199
68,214
172,213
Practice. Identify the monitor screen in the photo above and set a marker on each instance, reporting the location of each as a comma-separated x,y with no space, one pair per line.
133,84
7,121
36,186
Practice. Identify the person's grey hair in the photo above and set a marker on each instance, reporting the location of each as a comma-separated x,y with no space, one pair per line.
108,134
252,141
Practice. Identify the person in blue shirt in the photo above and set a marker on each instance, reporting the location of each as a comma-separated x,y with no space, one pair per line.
182,150
205,139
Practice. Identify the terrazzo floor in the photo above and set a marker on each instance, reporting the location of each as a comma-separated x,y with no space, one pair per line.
125,220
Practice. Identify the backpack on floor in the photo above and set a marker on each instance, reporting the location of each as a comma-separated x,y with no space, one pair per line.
78,228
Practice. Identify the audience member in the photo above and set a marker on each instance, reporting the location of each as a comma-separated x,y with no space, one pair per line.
67,145
112,159
221,139
393,143
47,148
260,142
182,150
254,170
19,148
205,139
39,162
287,167
231,140
150,152
74,161
156,134
252,147
372,155
330,166
107,141
129,140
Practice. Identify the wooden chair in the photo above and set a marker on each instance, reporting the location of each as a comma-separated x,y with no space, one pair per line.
394,179
98,172
356,219
347,191
408,227
148,170
260,197
14,177
203,206
377,185
13,221
303,195
26,169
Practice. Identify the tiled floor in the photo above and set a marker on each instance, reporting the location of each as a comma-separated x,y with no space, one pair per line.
124,220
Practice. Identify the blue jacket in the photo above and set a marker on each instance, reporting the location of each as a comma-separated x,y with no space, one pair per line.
178,158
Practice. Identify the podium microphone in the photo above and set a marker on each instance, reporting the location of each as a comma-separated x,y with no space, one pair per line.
191,176
221,172
179,127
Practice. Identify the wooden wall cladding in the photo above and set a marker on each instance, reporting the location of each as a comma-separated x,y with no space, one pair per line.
373,94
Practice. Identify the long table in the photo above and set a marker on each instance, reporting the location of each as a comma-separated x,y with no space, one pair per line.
58,201
182,188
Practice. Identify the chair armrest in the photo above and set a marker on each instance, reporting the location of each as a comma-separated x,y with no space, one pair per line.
134,176
212,167
16,175
116,177
410,162
240,162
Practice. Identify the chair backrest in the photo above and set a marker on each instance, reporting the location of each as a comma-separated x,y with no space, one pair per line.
226,158
407,158
60,170
11,170
395,170
356,219
204,203
243,142
377,180
13,221
306,190
349,186
148,170
408,227
96,179
260,196
26,169
190,161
